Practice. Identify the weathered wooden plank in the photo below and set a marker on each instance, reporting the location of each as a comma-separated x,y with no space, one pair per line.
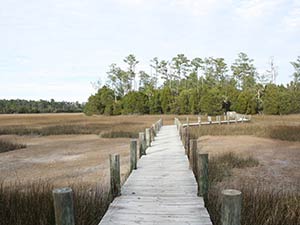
162,190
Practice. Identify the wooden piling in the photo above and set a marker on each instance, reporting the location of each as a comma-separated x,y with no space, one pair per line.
142,144
148,137
115,178
193,155
187,138
133,154
63,206
202,174
231,207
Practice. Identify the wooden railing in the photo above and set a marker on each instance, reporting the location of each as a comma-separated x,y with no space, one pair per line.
231,199
63,197
225,119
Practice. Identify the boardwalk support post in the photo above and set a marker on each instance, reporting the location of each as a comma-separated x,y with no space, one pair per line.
148,137
193,154
202,174
63,206
115,178
142,144
133,154
231,207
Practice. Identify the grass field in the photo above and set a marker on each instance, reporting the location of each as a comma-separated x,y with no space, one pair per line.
53,150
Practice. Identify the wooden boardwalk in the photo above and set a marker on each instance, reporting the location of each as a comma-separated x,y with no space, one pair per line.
162,190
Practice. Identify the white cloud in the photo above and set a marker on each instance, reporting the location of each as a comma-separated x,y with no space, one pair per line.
201,7
255,9
292,20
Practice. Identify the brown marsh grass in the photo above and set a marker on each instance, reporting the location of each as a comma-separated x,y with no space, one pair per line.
6,146
261,205
77,123
33,204
275,127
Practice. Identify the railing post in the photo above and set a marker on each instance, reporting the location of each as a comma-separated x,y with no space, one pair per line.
231,207
142,144
202,174
199,120
115,178
193,155
219,120
63,206
209,119
148,137
187,141
133,154
154,131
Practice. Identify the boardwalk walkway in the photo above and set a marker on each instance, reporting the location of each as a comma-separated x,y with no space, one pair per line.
162,190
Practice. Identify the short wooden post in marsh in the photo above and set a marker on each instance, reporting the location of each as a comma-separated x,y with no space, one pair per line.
192,155
115,178
133,154
63,206
231,207
202,174
142,144
199,120
148,137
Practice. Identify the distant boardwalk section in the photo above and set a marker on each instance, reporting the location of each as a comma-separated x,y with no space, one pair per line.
162,190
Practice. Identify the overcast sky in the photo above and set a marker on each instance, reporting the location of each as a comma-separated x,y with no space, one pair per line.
56,48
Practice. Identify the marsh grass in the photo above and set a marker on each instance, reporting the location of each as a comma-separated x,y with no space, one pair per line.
120,134
221,166
6,146
261,205
281,132
33,204
68,124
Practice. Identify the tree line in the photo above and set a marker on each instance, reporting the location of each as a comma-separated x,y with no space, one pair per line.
195,86
41,106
